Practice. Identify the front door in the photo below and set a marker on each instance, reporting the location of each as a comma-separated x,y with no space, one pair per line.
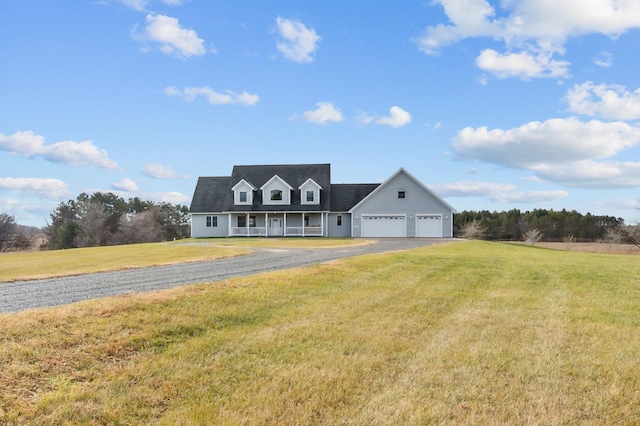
275,226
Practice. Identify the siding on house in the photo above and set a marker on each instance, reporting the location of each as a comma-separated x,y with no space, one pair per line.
216,210
417,200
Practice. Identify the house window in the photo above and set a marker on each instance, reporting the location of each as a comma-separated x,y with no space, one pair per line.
310,196
212,221
242,221
401,194
276,195
339,220
243,196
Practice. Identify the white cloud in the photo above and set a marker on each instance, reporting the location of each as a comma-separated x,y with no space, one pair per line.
496,192
604,59
126,185
363,118
169,197
397,118
593,174
72,153
174,2
607,101
298,43
141,5
45,187
472,189
532,30
173,39
189,94
555,141
559,150
160,171
524,65
530,197
325,113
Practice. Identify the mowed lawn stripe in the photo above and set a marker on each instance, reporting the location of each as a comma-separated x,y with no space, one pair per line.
463,333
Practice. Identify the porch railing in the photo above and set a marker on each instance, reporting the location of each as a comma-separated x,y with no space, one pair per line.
253,231
261,231
308,230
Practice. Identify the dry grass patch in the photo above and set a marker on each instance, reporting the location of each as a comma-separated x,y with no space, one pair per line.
55,263
464,333
602,247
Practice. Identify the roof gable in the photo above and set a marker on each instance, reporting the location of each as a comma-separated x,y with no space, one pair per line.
274,179
243,182
410,176
310,182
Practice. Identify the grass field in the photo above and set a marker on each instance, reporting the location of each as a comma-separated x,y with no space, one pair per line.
466,333
56,263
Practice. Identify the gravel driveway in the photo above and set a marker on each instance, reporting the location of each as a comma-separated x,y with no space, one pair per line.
22,295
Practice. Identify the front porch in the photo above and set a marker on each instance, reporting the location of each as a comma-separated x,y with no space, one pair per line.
277,224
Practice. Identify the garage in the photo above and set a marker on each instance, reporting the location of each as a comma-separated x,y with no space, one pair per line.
384,226
429,225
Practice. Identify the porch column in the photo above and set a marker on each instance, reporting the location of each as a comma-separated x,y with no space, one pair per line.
229,223
247,224
322,224
303,224
285,224
266,224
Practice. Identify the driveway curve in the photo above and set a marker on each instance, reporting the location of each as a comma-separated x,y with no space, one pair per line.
21,295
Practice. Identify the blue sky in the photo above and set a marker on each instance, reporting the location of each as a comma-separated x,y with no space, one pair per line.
493,104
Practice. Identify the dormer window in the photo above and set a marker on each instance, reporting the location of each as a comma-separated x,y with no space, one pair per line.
310,192
276,191
243,193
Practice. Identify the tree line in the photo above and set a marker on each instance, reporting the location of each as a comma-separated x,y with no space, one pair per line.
102,219
14,237
551,225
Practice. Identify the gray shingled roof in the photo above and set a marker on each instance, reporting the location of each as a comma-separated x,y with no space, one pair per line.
294,174
346,195
210,194
214,194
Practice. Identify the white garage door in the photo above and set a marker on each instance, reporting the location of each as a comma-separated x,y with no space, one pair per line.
383,226
429,225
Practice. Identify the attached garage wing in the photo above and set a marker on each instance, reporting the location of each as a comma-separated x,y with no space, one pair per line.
384,226
429,225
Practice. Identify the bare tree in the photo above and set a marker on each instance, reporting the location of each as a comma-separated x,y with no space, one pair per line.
142,227
614,236
472,230
532,236
632,234
7,229
92,225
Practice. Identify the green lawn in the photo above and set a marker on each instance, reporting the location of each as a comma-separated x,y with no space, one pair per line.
465,333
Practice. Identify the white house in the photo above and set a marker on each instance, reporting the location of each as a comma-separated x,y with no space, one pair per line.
300,200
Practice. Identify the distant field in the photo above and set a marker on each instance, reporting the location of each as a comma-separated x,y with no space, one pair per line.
593,247
466,333
55,263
